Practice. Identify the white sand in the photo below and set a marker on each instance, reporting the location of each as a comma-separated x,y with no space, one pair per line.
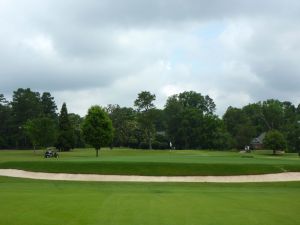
279,177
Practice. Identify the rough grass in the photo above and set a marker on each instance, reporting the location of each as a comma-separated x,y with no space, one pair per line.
32,202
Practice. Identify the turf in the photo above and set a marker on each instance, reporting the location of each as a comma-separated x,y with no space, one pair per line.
149,169
157,163
31,202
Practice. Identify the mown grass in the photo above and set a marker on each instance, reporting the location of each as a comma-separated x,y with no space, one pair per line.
156,163
32,202
148,168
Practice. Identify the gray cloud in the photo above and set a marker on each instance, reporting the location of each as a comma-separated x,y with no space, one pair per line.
107,51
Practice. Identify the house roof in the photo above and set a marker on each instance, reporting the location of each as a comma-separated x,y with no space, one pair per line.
259,139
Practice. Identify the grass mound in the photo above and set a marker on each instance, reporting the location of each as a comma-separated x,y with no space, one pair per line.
148,168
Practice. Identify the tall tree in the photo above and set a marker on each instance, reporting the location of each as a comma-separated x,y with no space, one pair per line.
273,112
238,124
97,128
76,122
145,106
25,106
65,139
5,118
192,99
3,100
123,122
144,101
159,120
48,105
255,118
191,122
42,131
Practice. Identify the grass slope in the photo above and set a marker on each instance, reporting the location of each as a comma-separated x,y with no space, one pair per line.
31,202
148,168
156,163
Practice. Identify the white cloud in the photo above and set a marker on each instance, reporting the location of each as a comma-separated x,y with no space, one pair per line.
41,44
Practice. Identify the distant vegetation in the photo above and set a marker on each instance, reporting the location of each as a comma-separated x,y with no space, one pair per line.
188,121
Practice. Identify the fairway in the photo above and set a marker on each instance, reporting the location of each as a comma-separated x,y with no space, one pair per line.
152,163
31,202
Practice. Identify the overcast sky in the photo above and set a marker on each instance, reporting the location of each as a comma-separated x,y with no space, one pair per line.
107,51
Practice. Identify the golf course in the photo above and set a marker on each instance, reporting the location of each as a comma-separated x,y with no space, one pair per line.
29,201
152,163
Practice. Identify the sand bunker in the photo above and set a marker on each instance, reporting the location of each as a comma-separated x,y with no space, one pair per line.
278,177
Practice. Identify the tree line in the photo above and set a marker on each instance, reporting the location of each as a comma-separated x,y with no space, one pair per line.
31,120
187,121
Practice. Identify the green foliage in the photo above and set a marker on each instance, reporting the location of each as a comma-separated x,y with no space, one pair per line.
273,112
48,105
42,131
190,121
3,101
192,99
5,124
145,100
275,140
233,118
76,123
124,123
159,120
65,139
145,107
97,128
254,119
25,106
239,126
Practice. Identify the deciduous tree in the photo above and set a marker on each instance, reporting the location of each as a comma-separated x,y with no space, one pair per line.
42,131
274,140
145,106
97,128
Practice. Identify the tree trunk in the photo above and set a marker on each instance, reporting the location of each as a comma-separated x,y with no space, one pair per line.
150,143
97,152
149,140
274,152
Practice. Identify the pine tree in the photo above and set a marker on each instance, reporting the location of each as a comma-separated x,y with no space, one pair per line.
65,140
48,105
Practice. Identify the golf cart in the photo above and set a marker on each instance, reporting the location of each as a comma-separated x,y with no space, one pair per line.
50,153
